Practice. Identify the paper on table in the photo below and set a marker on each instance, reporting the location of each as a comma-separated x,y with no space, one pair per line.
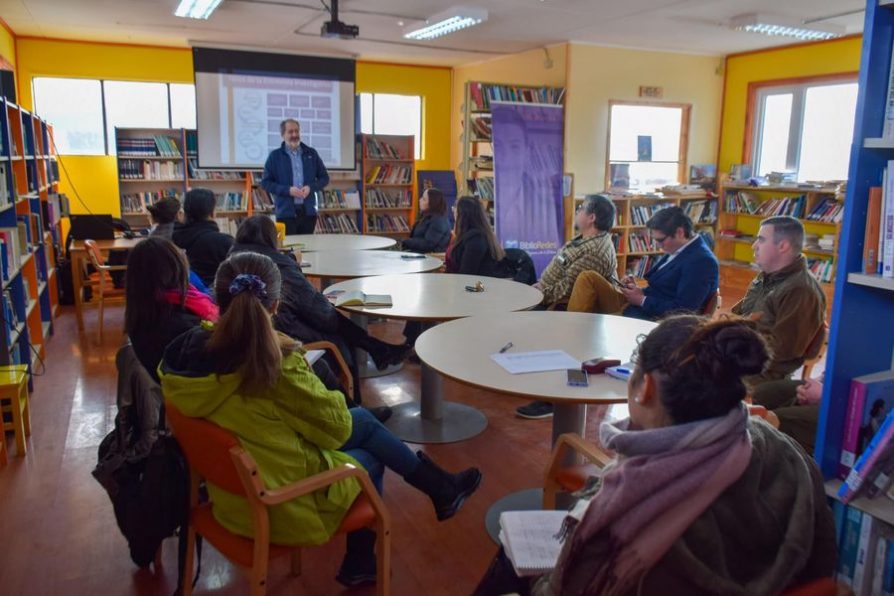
530,539
530,362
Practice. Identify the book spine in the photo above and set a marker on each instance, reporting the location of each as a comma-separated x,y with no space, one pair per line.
852,428
863,468
887,228
850,541
865,552
878,565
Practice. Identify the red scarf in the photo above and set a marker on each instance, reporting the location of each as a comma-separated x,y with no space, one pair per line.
195,302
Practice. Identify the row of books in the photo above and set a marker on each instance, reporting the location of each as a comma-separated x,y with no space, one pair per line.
641,242
156,146
701,211
389,174
482,162
380,198
878,240
338,199
5,198
11,318
376,149
13,247
870,408
793,206
637,267
227,225
482,94
482,128
865,551
341,223
816,242
196,174
483,187
827,210
387,223
133,169
822,269
231,201
741,202
136,202
640,214
260,200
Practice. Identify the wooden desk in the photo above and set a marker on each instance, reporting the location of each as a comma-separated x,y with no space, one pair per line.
79,257
436,298
318,242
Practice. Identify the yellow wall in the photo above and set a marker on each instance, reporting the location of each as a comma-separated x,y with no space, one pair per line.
830,57
599,74
7,45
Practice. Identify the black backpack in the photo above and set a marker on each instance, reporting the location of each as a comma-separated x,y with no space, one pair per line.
521,266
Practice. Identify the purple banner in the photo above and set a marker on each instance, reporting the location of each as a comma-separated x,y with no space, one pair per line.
528,166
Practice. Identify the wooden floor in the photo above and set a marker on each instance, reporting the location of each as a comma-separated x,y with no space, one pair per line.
58,532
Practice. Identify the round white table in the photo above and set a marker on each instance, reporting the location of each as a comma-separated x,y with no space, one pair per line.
318,242
348,264
436,298
461,350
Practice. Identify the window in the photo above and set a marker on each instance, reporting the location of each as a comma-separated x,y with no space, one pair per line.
647,146
74,107
805,128
85,112
385,114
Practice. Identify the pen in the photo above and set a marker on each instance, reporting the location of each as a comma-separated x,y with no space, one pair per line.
505,348
623,371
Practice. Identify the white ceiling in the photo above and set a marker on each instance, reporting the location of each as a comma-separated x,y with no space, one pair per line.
694,26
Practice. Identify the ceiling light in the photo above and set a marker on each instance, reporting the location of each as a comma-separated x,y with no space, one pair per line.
196,9
781,27
445,23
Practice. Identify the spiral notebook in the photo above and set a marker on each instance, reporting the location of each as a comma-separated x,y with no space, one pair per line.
530,540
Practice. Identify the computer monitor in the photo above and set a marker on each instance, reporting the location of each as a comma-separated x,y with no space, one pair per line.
92,227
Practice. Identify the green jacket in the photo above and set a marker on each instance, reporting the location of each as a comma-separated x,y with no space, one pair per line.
293,432
789,307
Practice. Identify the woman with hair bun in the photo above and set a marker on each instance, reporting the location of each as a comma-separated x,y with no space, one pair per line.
702,498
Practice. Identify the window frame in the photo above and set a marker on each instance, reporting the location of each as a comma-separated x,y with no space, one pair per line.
685,120
418,145
107,141
798,86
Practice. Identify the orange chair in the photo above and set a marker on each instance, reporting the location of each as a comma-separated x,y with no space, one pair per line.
214,454
825,586
101,280
344,372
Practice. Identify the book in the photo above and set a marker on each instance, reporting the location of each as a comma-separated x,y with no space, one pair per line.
871,398
887,227
873,229
531,540
358,298
850,542
869,533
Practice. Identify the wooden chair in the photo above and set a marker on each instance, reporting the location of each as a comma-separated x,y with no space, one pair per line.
280,233
815,351
101,280
214,454
343,372
14,400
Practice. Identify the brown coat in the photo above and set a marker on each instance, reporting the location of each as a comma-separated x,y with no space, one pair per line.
789,308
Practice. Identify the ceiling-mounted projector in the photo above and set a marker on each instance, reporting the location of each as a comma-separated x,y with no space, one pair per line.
335,28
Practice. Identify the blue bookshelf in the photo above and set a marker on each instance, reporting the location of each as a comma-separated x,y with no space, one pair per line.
861,337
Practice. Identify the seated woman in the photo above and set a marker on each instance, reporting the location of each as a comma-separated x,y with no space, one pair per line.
702,499
246,377
305,313
431,232
205,245
163,214
475,250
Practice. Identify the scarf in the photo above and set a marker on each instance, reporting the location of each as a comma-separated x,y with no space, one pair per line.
664,480
194,301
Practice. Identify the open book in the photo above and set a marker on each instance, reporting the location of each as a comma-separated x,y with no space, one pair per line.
358,298
530,539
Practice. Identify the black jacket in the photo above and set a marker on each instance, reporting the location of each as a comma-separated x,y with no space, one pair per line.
304,313
149,344
431,233
205,245
470,255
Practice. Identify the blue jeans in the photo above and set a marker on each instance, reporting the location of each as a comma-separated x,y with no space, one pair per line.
376,448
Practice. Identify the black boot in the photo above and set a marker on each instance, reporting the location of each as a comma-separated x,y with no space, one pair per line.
358,568
385,354
447,491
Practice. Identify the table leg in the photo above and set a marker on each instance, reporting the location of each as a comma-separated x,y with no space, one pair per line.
365,365
567,418
77,285
433,420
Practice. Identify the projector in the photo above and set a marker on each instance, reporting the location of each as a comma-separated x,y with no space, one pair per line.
340,30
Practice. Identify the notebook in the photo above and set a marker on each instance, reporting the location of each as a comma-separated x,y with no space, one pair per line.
358,298
530,539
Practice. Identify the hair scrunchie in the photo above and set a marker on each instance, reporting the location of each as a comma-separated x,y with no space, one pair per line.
247,282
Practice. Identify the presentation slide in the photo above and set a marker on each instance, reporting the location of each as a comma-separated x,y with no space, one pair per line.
239,113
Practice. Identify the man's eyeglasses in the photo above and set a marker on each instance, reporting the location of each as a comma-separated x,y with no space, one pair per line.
658,240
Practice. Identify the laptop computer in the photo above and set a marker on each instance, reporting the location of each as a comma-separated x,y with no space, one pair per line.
92,227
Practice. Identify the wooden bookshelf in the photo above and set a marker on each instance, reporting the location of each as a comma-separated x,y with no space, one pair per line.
635,250
29,216
743,207
387,191
477,136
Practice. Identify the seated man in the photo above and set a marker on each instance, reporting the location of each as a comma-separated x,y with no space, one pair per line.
681,280
784,299
205,245
796,405
591,249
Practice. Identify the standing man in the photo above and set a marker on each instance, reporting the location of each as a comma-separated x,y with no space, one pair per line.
292,175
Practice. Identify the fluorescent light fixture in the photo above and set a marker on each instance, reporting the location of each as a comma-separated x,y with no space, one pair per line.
445,23
196,9
782,27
